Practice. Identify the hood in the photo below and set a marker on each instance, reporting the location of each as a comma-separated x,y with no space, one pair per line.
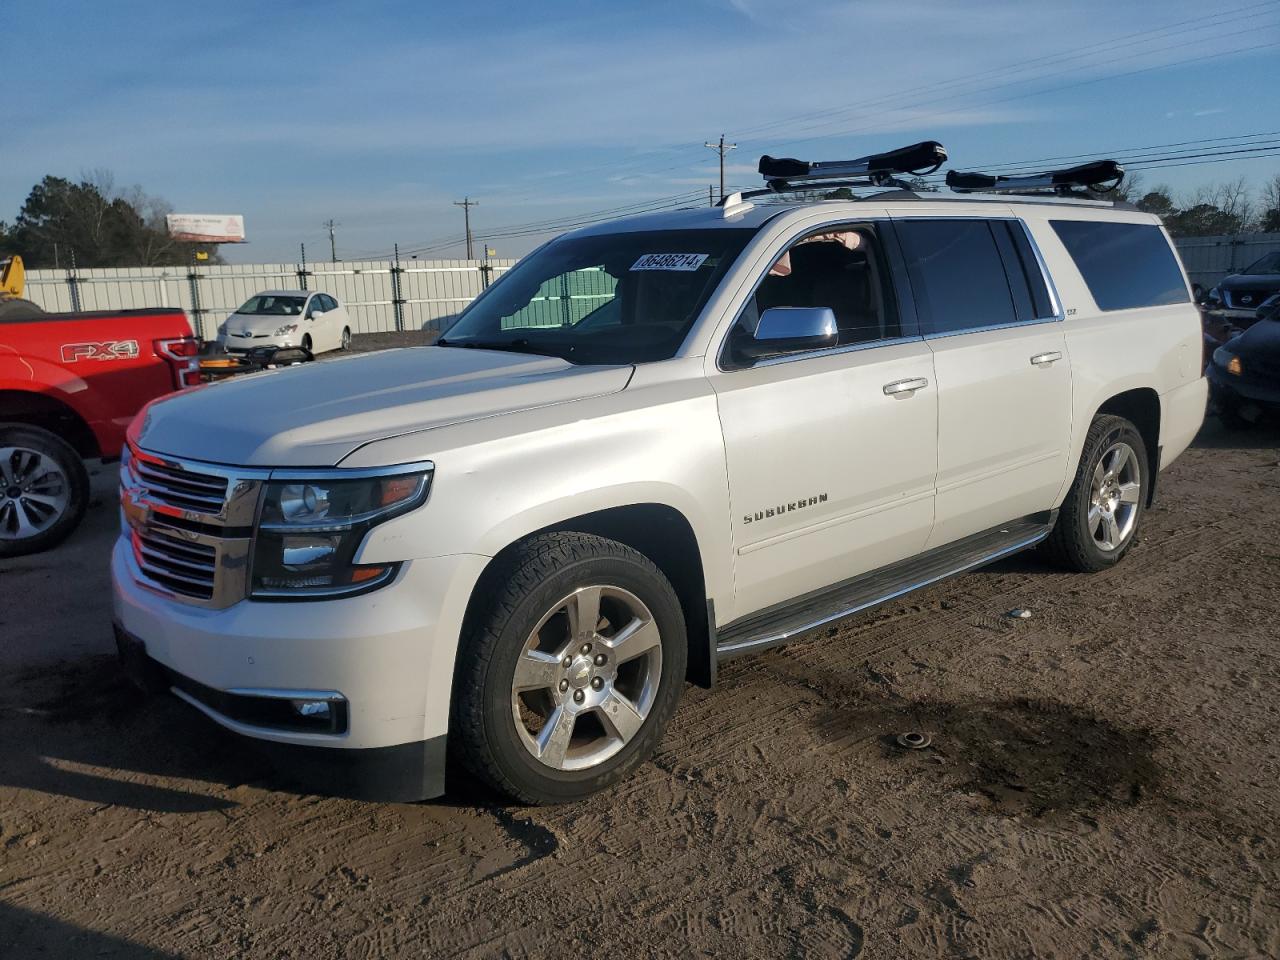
315,414
1254,282
1260,343
261,324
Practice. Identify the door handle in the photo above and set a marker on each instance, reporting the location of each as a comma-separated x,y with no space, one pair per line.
1044,359
905,386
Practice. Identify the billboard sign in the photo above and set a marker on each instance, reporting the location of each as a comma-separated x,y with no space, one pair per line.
206,227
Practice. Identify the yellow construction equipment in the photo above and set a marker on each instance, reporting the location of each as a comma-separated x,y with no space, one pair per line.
12,281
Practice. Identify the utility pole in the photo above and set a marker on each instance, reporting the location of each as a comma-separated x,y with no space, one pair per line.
333,247
711,199
466,203
721,148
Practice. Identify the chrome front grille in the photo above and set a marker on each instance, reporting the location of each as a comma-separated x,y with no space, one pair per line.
173,485
183,566
190,525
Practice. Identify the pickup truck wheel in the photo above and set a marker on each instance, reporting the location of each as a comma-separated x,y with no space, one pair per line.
15,310
1099,519
567,675
44,489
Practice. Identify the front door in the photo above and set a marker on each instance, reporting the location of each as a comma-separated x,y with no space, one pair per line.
830,473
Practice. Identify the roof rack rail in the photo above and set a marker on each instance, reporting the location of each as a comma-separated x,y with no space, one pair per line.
876,170
1100,176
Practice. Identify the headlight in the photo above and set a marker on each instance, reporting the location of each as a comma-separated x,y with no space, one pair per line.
310,528
287,328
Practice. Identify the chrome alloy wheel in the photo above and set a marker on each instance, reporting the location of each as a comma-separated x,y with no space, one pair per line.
1113,503
346,338
587,678
34,493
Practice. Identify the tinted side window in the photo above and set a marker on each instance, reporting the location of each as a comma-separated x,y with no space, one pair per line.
1124,264
840,267
1031,269
956,275
330,303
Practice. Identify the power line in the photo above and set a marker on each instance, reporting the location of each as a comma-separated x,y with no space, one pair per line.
1222,17
1192,25
1244,147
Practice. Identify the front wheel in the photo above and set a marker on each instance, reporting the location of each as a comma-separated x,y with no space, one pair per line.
1099,519
306,342
568,674
44,489
345,343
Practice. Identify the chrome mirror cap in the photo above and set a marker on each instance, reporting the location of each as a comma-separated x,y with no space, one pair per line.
784,330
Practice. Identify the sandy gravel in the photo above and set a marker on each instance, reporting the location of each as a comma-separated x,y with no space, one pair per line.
1102,783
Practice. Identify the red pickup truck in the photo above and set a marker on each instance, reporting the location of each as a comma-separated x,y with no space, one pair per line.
69,385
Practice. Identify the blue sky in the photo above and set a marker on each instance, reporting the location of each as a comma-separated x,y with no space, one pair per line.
379,115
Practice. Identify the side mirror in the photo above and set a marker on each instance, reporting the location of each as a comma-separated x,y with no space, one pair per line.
784,330
316,314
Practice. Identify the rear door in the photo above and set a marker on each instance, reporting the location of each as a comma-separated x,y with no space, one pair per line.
991,318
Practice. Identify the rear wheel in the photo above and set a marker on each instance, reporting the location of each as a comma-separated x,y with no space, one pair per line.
568,675
44,489
1099,519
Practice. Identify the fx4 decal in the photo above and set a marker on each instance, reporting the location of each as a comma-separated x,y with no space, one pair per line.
106,350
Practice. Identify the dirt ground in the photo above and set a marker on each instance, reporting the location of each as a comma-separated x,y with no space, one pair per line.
1102,783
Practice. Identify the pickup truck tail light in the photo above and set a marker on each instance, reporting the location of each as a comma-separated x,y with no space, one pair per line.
182,355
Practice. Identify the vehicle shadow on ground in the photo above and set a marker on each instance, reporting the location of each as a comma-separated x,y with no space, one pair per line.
1264,435
27,933
82,730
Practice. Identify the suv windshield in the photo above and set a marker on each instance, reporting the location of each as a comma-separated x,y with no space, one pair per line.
613,298
273,306
1268,264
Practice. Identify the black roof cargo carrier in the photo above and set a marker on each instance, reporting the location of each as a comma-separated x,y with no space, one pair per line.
1101,176
877,169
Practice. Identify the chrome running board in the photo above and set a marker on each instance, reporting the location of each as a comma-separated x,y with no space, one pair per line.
819,609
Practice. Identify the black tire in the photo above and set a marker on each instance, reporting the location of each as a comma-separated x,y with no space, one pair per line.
306,342
12,311
346,339
1228,410
516,593
62,454
1072,543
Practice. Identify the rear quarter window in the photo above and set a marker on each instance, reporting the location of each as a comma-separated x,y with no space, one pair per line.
1125,265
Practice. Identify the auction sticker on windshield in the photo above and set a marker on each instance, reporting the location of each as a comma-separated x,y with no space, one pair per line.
670,261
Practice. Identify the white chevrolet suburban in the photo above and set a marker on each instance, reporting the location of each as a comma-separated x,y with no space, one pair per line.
653,445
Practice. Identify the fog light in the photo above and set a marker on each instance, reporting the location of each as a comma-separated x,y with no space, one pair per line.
319,709
1235,366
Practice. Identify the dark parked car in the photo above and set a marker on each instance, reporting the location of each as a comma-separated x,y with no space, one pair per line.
1238,296
1244,375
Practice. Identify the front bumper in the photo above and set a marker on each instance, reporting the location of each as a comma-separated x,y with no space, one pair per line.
388,655
1242,388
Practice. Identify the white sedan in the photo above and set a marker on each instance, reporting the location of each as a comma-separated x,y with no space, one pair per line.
287,318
